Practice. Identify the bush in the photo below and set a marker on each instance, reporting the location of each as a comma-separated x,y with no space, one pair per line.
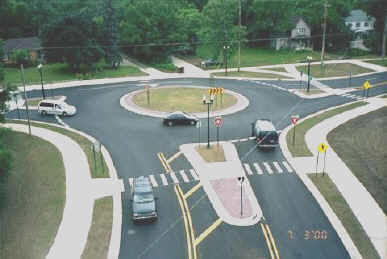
21,56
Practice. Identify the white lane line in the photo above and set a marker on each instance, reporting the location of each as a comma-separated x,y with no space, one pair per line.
279,169
248,169
61,122
194,175
164,179
174,178
259,170
244,139
268,168
287,166
131,182
345,95
153,180
185,178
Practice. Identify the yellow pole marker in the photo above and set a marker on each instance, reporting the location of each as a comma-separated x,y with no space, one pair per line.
185,223
272,241
267,242
208,231
174,157
193,189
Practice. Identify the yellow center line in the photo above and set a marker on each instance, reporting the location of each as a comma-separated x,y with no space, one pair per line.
185,223
166,163
193,189
272,241
267,242
208,231
162,161
169,160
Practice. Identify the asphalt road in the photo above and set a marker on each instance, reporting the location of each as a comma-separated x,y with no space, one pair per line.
134,141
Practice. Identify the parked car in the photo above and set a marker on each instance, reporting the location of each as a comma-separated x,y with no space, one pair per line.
143,200
56,107
210,62
180,118
265,133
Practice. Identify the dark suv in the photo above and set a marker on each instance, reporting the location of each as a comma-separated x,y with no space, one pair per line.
265,133
143,200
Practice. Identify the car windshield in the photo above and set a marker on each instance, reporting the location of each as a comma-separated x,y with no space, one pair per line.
143,198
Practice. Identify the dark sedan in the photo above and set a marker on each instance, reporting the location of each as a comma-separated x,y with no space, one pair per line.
180,118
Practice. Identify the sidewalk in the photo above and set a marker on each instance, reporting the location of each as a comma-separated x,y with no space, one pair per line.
365,208
81,192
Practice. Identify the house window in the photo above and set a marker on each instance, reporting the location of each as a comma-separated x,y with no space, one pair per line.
366,24
358,24
301,30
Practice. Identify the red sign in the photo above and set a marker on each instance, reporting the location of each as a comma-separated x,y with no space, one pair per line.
218,121
294,119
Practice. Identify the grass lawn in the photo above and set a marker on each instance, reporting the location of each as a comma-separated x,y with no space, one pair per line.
331,70
98,240
181,99
380,62
32,209
35,101
328,189
165,67
361,144
98,169
212,154
60,72
300,149
250,74
277,69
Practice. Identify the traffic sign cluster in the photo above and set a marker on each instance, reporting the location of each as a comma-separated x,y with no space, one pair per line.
215,90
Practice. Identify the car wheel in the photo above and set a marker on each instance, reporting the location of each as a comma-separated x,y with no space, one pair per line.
170,123
64,114
43,113
193,122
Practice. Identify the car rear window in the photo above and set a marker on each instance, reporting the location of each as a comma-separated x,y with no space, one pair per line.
46,105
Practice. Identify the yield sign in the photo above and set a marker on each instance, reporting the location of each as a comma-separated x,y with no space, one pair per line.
218,121
294,119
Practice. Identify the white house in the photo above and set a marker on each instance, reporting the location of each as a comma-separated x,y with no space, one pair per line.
297,38
359,21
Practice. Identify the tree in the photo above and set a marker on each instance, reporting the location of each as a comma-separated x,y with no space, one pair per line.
74,39
2,73
20,56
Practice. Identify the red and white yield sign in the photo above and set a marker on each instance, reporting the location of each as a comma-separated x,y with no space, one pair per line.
294,119
218,121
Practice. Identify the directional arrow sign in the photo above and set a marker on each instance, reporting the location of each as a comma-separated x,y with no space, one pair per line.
322,147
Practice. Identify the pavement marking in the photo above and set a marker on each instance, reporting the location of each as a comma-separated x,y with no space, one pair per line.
61,122
194,175
153,180
185,178
259,170
268,168
208,231
267,241
287,166
174,178
159,155
272,241
174,157
279,169
248,169
164,179
131,182
193,189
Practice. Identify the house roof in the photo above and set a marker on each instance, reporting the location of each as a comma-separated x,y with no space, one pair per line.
358,16
22,43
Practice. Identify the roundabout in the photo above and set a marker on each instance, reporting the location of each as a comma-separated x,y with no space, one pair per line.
166,99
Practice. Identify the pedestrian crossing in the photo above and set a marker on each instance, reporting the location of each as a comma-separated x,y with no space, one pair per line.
187,176
352,96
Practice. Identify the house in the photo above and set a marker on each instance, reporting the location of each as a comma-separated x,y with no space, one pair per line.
31,44
359,21
297,38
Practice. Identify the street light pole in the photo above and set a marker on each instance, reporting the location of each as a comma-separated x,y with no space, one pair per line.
208,119
309,60
41,80
225,57
241,180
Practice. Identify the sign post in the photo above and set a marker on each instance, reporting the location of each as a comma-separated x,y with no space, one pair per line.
322,148
198,126
294,119
241,179
218,123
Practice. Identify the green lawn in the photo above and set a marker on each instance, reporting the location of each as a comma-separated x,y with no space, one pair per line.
61,72
35,198
165,67
98,166
381,62
213,154
181,99
311,91
250,74
336,201
361,143
331,70
98,240
35,101
300,149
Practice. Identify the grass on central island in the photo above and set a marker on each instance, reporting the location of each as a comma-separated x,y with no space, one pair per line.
332,70
213,154
181,99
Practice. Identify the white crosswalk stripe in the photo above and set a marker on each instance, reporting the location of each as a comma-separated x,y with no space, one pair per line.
279,169
164,179
259,170
153,180
287,166
248,169
185,178
194,175
174,178
268,168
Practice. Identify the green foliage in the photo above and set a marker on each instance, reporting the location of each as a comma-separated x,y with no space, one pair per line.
5,157
21,56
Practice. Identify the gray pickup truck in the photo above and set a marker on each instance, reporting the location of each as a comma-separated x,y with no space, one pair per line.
143,200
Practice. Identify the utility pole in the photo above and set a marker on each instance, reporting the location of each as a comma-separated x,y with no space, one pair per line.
326,5
239,35
25,97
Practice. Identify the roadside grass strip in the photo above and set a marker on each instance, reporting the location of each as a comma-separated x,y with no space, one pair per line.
300,149
250,74
34,197
98,240
336,201
98,167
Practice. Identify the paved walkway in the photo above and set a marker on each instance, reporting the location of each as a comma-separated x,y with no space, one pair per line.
365,208
81,192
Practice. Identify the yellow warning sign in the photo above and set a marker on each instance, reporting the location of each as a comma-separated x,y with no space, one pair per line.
322,147
366,85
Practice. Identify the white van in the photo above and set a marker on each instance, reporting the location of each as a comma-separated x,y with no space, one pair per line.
55,107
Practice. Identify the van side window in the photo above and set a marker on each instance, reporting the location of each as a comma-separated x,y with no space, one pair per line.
46,105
